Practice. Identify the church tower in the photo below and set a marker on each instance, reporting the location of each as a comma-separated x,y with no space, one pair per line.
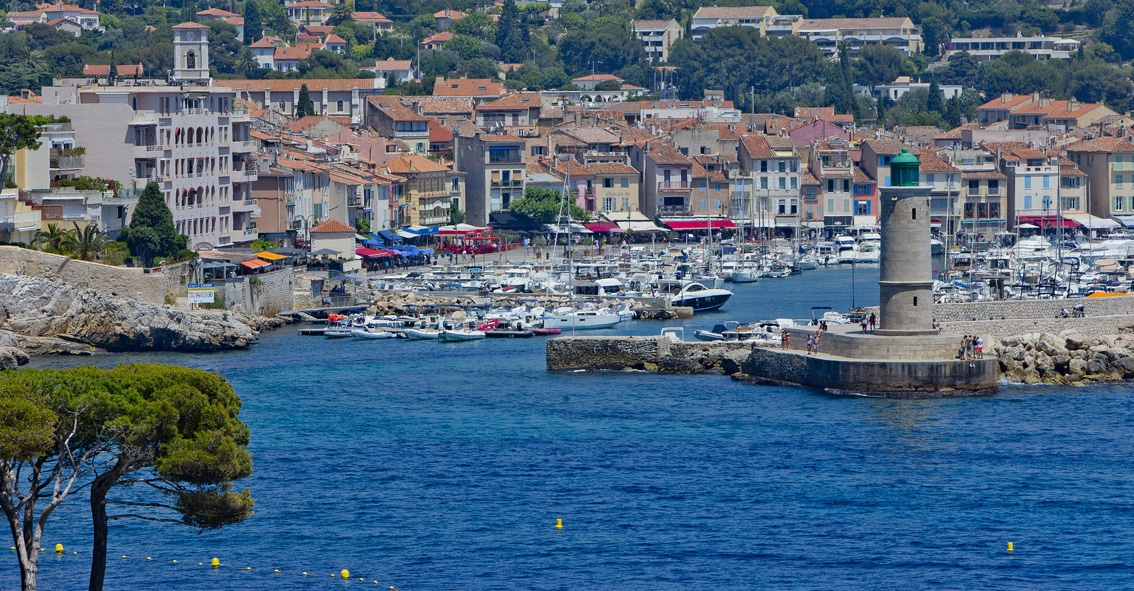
190,54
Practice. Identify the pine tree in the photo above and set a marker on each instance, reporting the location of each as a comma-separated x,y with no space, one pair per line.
936,102
304,107
512,35
152,233
253,22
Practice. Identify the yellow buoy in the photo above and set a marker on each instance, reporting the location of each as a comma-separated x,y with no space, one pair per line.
276,570
215,563
558,524
58,548
1010,548
305,573
362,578
123,558
174,562
77,553
148,558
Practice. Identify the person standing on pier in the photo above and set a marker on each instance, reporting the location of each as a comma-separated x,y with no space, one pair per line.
863,324
873,322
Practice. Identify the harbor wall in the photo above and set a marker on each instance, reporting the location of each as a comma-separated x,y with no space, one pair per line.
889,378
123,282
1016,309
856,345
652,353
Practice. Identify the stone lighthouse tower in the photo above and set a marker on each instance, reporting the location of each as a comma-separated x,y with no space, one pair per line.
906,280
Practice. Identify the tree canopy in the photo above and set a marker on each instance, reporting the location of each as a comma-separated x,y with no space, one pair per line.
152,233
545,206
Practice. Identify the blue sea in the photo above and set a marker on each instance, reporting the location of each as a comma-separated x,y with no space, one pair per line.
428,466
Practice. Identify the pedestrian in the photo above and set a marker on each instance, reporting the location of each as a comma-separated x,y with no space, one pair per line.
823,325
961,351
783,339
862,323
818,337
810,343
980,348
873,321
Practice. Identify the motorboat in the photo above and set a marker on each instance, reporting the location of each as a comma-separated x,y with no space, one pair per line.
421,334
374,335
807,262
746,273
339,333
587,319
543,332
691,294
464,331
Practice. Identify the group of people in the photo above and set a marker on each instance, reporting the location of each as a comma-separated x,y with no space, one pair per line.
972,348
871,321
814,340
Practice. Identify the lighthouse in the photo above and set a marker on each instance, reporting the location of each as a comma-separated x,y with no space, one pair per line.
905,283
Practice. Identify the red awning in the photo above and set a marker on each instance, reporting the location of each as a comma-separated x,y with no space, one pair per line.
255,263
1045,221
700,225
371,253
604,227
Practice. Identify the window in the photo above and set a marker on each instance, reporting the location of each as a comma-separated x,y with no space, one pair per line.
504,154
830,205
763,182
608,183
1046,201
703,185
1118,180
887,182
830,185
795,182
717,187
608,203
781,166
339,106
846,185
716,205
782,207
929,178
625,204
1118,203
993,187
704,150
763,166
702,205
974,187
1027,182
1046,182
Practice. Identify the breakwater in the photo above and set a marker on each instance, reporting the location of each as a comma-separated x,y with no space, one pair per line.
653,353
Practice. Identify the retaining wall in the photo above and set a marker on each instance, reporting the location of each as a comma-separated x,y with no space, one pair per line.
124,282
648,353
1015,309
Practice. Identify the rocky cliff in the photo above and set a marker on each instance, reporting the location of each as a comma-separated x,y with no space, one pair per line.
1065,358
38,307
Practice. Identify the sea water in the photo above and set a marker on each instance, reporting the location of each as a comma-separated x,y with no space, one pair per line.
429,466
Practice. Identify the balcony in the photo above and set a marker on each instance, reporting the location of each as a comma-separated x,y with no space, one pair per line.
512,184
244,146
67,162
1122,166
250,233
675,185
354,202
674,210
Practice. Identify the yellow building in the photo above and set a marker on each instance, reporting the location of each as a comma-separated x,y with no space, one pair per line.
431,188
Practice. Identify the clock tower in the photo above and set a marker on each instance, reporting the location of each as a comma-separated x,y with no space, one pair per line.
190,54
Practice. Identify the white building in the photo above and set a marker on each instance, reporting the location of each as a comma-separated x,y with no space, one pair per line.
708,18
188,137
902,85
657,36
990,48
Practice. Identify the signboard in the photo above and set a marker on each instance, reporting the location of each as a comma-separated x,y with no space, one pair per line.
200,293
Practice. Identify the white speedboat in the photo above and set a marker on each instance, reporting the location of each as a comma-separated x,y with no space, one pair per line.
807,262
455,335
565,318
373,335
746,273
691,294
421,334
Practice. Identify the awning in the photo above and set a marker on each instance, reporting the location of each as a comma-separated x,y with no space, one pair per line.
389,236
699,225
421,230
271,256
368,252
636,226
1048,221
406,234
255,263
1125,220
561,229
1092,222
604,227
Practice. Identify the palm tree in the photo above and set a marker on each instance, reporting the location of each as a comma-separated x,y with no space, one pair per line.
86,242
245,61
35,58
53,237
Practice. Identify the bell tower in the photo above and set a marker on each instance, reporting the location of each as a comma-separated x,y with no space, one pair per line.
190,54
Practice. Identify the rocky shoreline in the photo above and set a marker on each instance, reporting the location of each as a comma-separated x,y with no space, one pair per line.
43,316
1065,358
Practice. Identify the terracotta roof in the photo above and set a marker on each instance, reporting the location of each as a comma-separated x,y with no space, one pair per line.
474,87
369,17
650,23
884,147
299,52
332,226
592,135
733,12
288,85
667,154
318,29
441,37
611,168
519,100
438,133
61,20
982,174
931,162
66,8
1074,109
1102,144
392,108
414,163
843,24
1041,107
809,179
304,123
449,13
757,146
596,78
189,26
308,4
1006,101
391,65
104,70
442,105
488,137
263,42
334,39
216,12
862,177
813,112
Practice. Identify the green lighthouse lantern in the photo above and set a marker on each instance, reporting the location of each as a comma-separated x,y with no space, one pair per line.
905,169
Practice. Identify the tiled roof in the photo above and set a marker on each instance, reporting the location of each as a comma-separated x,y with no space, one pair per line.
814,112
884,147
104,70
488,137
667,154
394,109
438,133
309,4
757,146
289,85
67,8
441,37
391,65
843,24
474,87
519,100
216,12
932,162
331,226
1006,101
189,26
592,135
263,42
299,52
304,123
861,176
596,78
808,179
733,12
414,163
982,174
369,17
611,168
335,39
1041,107
442,105
650,23
1102,144
449,13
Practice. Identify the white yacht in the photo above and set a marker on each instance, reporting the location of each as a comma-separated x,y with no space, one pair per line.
693,295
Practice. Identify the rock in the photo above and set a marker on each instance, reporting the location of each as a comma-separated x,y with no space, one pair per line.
12,357
39,307
1044,363
1077,367
1061,362
732,360
1126,366
679,365
1095,366
53,346
1075,341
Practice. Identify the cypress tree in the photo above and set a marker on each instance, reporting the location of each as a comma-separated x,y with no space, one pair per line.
936,102
253,23
152,233
304,107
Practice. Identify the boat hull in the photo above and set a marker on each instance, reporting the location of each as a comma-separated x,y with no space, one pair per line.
509,334
363,335
451,336
581,321
414,334
703,303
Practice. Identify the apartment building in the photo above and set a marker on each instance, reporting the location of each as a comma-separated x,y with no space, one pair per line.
827,33
657,36
1033,182
190,138
830,163
1108,163
332,97
495,169
390,118
616,187
982,205
775,170
667,180
1053,114
430,190
1040,47
519,109
708,18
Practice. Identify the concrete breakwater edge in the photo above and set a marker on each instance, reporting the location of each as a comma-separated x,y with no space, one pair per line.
1069,357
